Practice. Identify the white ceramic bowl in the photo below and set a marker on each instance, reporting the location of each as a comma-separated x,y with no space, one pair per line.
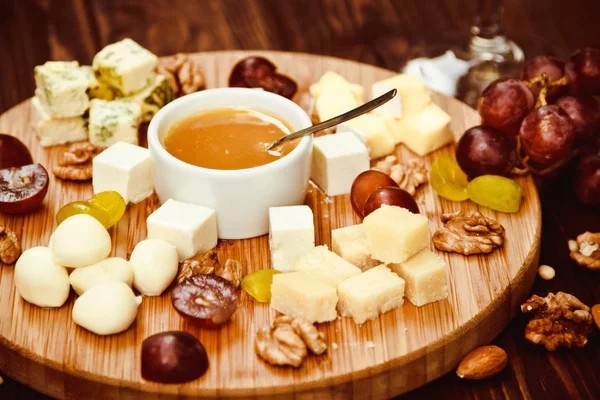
241,198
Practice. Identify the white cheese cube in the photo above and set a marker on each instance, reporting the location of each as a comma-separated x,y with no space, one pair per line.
97,89
337,159
426,277
365,296
154,97
332,82
332,104
125,66
114,121
350,243
359,134
124,168
291,234
426,130
298,294
53,131
192,229
62,88
326,266
412,93
394,234
379,140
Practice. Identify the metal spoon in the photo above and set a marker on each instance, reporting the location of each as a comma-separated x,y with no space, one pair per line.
365,108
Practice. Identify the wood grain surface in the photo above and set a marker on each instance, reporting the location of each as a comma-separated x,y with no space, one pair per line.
380,32
397,352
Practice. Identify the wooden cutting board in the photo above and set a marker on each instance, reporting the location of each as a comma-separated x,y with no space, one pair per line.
395,353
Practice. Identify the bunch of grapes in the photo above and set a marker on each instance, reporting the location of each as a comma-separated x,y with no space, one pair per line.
539,122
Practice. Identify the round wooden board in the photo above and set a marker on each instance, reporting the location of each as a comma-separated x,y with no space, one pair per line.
395,353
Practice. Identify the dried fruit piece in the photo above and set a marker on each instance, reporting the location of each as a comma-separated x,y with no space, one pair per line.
111,202
10,247
258,284
448,180
483,362
596,315
75,163
22,188
173,357
208,299
559,320
13,153
468,234
258,72
496,192
586,250
82,207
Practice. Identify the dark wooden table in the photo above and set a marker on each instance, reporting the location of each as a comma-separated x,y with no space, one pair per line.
379,32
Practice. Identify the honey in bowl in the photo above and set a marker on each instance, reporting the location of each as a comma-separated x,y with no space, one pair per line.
227,138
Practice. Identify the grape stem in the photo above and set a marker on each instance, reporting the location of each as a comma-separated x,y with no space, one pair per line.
544,83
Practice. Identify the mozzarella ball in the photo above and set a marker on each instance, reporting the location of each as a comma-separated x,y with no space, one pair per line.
80,241
39,280
106,309
155,263
113,269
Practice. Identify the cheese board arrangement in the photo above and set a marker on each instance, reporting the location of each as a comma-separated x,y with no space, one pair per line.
362,262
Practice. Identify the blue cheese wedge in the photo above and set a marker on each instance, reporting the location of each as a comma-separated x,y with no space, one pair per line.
52,131
97,89
154,97
62,88
125,66
114,121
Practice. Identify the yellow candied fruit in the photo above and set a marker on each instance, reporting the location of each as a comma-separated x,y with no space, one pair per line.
448,180
258,284
111,202
82,207
496,192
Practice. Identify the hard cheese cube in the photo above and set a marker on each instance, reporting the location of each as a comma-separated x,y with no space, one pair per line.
291,234
126,66
350,243
154,97
124,168
326,266
426,277
332,104
298,294
114,121
365,296
394,234
53,131
379,140
62,87
337,159
395,128
426,130
190,228
412,93
332,82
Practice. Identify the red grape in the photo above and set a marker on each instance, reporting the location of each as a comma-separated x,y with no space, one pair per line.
365,184
22,188
583,69
13,153
587,180
483,150
391,196
552,66
547,135
504,104
585,114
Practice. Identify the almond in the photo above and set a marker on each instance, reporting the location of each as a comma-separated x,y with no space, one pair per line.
596,314
483,362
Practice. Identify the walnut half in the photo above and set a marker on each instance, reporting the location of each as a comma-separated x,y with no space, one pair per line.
586,250
183,73
408,176
559,320
208,263
75,163
468,234
10,247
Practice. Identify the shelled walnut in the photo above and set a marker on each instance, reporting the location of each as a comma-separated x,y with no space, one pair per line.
559,320
286,340
408,176
75,163
10,248
183,73
468,234
208,263
586,250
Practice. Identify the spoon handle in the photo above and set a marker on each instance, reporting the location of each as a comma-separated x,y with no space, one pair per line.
355,112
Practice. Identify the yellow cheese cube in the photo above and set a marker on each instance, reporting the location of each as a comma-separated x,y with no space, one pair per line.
426,130
365,296
426,277
332,82
379,140
332,104
326,266
412,93
394,234
350,243
298,294
394,126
